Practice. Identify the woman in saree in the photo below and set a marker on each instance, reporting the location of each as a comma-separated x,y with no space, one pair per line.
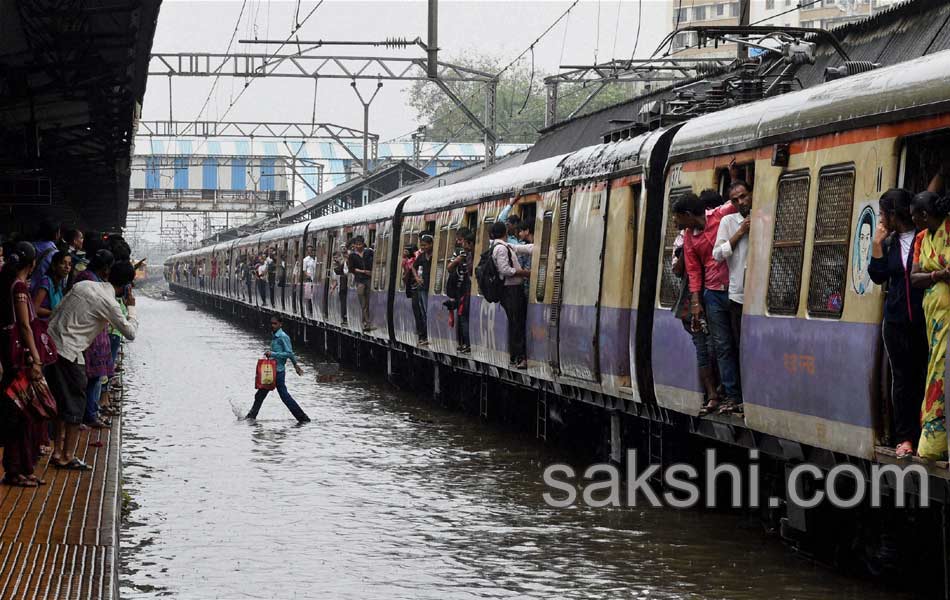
931,271
17,427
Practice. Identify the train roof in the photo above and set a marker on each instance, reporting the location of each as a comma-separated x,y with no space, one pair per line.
601,160
369,213
914,88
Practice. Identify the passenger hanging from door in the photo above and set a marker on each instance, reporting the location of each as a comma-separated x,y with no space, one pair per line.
421,269
709,295
513,299
930,272
461,287
309,272
511,221
341,281
360,263
732,246
904,329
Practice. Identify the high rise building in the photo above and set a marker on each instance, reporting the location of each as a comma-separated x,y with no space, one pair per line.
824,14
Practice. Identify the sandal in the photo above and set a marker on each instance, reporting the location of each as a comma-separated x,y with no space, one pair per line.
73,465
36,480
100,424
20,481
730,407
904,450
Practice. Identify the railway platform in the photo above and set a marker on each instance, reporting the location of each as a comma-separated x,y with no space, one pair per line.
61,540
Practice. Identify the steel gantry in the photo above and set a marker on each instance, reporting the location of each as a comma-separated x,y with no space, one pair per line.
623,71
304,64
269,130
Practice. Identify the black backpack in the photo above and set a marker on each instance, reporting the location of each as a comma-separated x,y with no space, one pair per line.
490,282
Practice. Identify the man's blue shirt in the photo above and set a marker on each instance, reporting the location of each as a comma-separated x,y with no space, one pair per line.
281,350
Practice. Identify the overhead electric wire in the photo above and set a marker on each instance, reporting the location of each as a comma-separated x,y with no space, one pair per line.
613,52
217,77
247,84
636,39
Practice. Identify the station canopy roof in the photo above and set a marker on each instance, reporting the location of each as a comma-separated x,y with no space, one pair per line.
72,80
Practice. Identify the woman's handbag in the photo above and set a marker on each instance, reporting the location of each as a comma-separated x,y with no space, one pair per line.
32,397
42,404
266,378
20,351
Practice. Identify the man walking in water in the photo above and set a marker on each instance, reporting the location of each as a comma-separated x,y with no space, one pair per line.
280,350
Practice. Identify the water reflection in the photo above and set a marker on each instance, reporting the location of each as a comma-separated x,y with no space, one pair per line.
384,496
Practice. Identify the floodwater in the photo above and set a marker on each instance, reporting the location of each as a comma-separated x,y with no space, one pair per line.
385,496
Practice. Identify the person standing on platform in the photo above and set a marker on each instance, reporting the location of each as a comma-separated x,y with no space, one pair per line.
280,350
18,430
84,312
52,287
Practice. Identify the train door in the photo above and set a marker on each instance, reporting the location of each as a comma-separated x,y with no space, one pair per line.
283,260
331,245
576,306
294,279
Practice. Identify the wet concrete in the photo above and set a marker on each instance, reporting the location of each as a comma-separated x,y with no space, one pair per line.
387,496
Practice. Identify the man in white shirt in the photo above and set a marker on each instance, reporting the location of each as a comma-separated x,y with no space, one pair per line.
83,313
732,246
513,299
309,264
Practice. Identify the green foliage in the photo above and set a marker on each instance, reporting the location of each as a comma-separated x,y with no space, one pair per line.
519,104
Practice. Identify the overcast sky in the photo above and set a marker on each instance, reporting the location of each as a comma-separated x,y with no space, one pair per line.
501,28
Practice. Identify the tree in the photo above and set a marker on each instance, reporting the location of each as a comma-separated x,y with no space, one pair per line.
519,102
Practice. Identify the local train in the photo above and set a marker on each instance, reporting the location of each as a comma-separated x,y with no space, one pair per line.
601,286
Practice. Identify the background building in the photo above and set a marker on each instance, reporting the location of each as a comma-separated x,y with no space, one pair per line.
825,14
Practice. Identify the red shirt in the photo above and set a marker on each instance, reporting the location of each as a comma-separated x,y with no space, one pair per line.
697,250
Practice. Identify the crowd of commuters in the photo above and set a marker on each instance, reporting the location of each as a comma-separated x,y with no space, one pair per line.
66,304
910,254
710,254
910,257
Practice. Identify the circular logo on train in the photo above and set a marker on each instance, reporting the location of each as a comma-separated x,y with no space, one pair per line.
861,252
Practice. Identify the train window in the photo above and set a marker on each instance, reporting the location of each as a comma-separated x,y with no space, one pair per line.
545,253
788,243
384,263
450,247
563,220
670,283
379,262
529,212
829,257
486,230
371,238
471,221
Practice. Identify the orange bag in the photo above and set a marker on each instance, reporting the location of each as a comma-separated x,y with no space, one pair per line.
266,378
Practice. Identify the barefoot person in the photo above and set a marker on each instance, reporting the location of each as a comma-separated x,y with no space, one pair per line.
280,350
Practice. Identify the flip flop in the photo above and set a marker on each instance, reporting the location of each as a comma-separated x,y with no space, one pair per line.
73,465
20,481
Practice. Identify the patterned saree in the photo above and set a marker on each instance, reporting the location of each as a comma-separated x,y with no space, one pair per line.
935,255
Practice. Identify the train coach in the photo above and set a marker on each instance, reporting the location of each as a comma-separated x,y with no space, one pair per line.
601,288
